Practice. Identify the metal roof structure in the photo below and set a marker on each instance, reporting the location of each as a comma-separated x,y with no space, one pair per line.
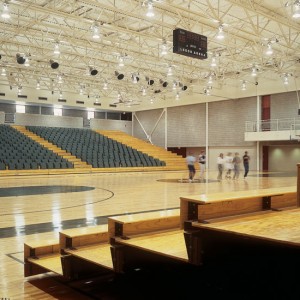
79,50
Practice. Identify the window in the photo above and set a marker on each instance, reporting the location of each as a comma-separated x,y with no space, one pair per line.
57,112
90,115
20,109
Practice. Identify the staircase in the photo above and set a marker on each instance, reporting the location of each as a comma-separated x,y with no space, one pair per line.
172,160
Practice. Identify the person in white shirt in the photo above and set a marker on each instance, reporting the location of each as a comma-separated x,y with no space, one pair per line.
228,165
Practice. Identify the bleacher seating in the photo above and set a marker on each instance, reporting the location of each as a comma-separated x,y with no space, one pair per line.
19,152
94,148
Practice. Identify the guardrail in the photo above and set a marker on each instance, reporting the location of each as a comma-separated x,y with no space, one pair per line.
272,125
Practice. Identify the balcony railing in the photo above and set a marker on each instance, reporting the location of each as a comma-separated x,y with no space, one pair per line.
273,125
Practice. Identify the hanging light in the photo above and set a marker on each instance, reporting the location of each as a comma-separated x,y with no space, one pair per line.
121,61
95,31
213,62
105,85
254,71
26,64
220,35
174,85
269,49
150,12
164,48
56,49
170,71
60,95
243,88
3,72
144,92
19,90
38,86
296,10
177,96
5,11
210,79
60,79
285,79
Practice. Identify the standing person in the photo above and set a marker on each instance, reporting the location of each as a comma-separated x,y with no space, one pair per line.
220,163
202,163
190,161
246,159
236,165
228,165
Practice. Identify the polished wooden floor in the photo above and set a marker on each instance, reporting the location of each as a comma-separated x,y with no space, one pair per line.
38,207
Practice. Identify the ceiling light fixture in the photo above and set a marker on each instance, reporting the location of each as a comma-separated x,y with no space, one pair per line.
5,11
3,72
269,50
163,83
164,48
243,88
296,10
254,71
56,49
150,12
95,31
121,61
54,65
119,75
105,85
38,86
20,59
150,81
93,71
220,34
170,71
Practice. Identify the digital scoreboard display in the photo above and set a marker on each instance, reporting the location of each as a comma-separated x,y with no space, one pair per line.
189,43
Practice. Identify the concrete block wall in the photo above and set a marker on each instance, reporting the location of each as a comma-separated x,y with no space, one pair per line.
104,124
51,121
186,126
284,106
2,117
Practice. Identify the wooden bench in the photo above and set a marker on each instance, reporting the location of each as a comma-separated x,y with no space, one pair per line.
266,229
131,232
86,251
140,223
204,207
41,257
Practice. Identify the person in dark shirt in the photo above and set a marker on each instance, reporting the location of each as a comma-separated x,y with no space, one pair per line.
246,159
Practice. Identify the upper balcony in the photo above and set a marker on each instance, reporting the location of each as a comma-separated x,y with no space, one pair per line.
272,130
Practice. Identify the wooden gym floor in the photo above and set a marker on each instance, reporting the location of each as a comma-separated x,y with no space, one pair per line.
38,207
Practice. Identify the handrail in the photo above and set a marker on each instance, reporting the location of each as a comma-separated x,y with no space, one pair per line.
272,125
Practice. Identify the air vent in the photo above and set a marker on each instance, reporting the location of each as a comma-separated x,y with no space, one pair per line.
80,102
97,103
43,98
62,100
2,94
22,96
112,105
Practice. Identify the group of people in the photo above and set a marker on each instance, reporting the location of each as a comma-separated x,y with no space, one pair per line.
230,164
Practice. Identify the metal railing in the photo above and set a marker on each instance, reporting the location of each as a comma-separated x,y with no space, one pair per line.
272,125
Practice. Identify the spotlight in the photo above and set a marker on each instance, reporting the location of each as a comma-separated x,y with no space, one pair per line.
53,64
93,72
119,76
150,81
183,87
135,78
20,59
163,83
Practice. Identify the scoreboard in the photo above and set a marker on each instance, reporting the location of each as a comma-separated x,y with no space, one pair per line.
189,43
